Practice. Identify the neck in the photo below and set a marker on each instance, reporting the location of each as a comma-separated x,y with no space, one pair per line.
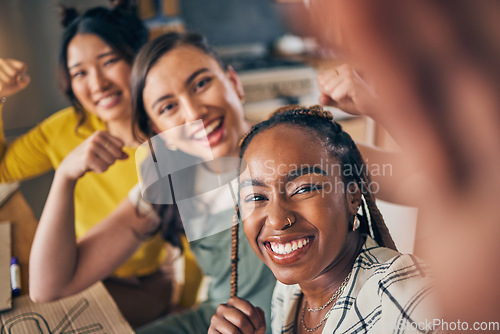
319,290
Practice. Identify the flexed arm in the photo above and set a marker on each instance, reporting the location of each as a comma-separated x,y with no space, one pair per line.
60,265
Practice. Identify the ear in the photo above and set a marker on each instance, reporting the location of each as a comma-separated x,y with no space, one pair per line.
235,81
353,197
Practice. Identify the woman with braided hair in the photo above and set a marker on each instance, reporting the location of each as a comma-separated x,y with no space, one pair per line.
309,214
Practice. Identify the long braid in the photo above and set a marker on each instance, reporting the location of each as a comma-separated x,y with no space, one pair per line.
380,230
342,147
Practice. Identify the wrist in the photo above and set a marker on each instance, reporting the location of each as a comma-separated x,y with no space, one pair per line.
62,177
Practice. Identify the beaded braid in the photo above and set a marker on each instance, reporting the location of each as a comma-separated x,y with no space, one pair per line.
342,146
234,253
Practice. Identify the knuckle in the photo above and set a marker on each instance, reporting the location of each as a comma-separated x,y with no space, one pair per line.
221,308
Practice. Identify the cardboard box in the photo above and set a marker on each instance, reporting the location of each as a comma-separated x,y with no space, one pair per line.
5,256
91,311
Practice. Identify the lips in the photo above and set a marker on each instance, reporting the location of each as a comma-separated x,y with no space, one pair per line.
284,251
211,133
109,101
207,130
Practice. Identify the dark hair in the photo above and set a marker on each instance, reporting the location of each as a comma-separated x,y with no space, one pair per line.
123,32
147,58
342,147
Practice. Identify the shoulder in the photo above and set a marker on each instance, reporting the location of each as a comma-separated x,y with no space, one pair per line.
389,268
397,286
67,120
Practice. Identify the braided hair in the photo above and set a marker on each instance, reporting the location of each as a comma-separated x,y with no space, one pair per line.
341,146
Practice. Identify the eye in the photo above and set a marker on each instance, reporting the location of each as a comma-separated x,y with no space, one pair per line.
254,198
201,84
307,188
77,74
168,108
112,61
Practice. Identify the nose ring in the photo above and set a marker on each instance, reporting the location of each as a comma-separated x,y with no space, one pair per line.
289,221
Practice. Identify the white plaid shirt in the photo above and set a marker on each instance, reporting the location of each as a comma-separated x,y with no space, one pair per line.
387,293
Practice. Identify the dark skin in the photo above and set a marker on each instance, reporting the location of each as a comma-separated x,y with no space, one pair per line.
290,175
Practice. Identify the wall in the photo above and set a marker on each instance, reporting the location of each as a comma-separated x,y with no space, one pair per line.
30,31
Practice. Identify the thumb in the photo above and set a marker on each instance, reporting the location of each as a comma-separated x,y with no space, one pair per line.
23,80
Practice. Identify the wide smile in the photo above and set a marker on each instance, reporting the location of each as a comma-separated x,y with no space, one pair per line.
211,133
288,252
109,101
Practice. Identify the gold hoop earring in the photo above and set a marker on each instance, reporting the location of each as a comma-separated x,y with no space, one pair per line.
355,223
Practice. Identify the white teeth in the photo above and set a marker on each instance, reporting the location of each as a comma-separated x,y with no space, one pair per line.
289,247
107,99
203,133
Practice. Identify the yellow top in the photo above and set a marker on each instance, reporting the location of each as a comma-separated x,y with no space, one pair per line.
96,195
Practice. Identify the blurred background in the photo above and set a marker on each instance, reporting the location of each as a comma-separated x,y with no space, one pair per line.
276,59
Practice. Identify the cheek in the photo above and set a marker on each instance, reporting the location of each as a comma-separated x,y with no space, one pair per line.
79,89
121,75
252,229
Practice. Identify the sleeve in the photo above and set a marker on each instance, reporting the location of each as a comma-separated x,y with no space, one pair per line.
26,157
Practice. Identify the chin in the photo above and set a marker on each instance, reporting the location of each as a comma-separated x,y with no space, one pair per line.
287,277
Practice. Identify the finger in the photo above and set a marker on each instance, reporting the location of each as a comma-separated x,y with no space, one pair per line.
325,100
110,144
212,330
9,69
219,324
103,154
17,65
262,314
98,165
329,86
19,70
249,310
5,80
342,93
328,77
235,317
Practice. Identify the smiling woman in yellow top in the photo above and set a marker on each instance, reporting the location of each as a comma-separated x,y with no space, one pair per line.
92,141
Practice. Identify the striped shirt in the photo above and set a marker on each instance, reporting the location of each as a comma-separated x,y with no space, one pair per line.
386,293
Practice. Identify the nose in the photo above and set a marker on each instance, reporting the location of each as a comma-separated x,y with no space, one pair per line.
193,110
280,216
98,81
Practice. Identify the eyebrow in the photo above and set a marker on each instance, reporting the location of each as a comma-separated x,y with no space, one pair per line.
293,174
251,183
187,83
102,55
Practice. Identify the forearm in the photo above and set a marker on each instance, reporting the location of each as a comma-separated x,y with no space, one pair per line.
54,251
60,265
391,174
